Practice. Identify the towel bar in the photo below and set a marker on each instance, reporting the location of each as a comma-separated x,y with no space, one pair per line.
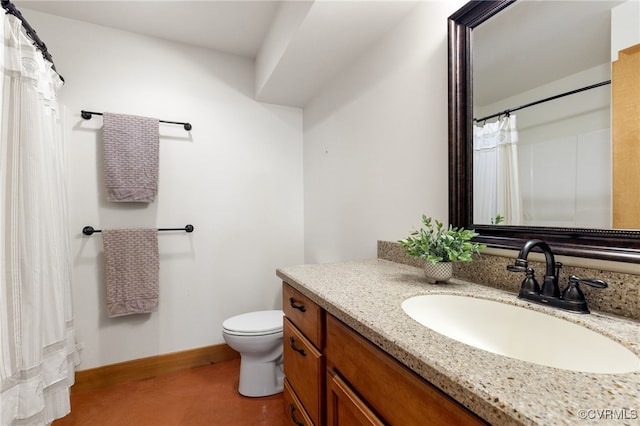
89,230
88,114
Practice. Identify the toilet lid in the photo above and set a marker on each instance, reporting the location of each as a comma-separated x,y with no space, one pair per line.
260,322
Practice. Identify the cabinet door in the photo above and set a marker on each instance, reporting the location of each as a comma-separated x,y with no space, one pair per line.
397,394
304,369
344,408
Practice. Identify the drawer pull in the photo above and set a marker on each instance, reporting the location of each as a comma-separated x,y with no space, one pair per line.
293,416
292,342
294,305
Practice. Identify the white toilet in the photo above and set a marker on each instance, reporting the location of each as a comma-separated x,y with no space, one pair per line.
258,338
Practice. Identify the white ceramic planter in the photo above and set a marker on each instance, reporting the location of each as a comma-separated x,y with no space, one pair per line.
439,272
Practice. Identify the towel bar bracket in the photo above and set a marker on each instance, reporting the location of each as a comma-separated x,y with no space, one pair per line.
88,230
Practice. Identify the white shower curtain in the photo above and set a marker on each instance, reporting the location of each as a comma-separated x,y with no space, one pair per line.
37,345
496,185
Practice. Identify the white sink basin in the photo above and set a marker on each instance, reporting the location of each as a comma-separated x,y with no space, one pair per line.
521,333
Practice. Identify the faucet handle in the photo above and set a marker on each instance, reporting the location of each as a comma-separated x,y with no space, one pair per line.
588,281
573,293
516,268
520,265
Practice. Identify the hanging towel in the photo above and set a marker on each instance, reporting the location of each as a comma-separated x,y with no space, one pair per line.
132,268
131,155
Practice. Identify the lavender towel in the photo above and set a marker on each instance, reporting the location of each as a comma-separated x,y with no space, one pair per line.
132,268
131,156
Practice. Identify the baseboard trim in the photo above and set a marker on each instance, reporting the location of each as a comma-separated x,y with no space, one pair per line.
145,368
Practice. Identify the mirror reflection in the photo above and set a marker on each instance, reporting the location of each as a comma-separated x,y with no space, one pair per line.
542,115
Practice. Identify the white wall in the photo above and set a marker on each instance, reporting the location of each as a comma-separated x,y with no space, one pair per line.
237,177
375,142
375,159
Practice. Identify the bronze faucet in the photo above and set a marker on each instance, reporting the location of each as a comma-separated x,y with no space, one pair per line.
570,299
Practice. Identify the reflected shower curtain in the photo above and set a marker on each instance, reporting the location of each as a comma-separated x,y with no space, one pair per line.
496,185
37,345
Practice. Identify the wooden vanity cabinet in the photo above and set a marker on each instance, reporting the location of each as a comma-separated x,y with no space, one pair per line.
380,390
334,376
304,362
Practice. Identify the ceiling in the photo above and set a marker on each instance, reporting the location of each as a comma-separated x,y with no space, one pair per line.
236,27
327,38
334,32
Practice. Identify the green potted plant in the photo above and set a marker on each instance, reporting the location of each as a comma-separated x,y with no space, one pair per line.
440,247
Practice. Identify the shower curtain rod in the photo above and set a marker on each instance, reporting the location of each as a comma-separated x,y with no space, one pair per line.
88,230
12,10
88,114
561,95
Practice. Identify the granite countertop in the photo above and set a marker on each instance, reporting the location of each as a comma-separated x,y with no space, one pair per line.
367,295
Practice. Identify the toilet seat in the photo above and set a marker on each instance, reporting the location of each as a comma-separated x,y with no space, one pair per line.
259,323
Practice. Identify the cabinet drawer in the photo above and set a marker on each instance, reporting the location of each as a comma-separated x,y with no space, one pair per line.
395,393
304,368
294,413
305,314
344,407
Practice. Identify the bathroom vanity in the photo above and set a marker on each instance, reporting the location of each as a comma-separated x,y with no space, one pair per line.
353,356
356,372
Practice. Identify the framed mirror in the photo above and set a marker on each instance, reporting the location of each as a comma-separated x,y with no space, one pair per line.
591,242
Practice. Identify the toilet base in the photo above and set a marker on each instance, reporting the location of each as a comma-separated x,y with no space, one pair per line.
259,378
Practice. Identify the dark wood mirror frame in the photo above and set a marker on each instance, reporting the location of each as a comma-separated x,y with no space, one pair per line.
616,245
